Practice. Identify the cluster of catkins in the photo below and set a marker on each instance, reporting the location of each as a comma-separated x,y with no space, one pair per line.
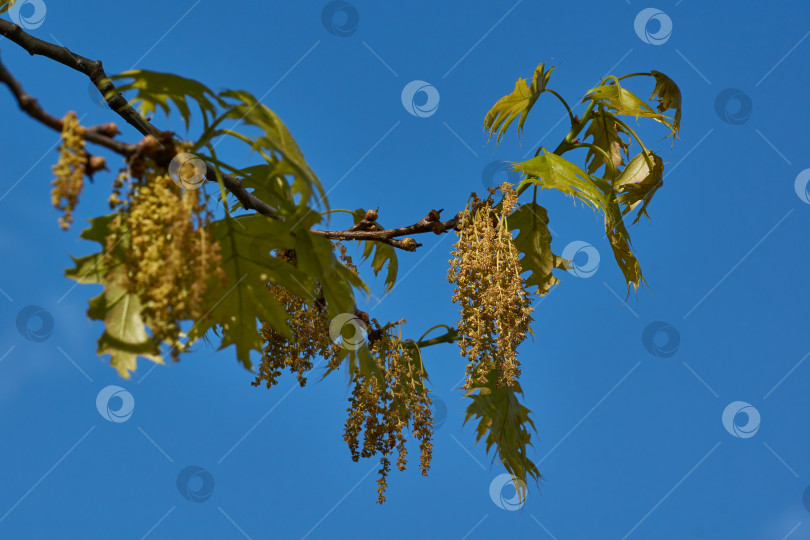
495,307
384,404
167,253
69,170
309,325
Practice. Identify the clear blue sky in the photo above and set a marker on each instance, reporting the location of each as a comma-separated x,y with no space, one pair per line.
629,443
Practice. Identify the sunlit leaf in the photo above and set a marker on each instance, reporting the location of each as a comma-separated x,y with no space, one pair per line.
534,242
504,422
669,97
518,103
551,171
124,338
637,183
619,240
606,134
161,90
275,139
624,102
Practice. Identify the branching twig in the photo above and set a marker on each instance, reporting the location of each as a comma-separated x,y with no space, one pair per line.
94,70
103,136
370,230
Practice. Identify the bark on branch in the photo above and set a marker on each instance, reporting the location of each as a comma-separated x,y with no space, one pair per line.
104,134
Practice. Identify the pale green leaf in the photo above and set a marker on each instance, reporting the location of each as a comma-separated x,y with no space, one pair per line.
551,171
606,134
534,242
624,102
518,103
637,183
504,422
155,90
669,97
276,139
124,338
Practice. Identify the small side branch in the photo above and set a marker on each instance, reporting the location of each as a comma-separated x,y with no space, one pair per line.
368,229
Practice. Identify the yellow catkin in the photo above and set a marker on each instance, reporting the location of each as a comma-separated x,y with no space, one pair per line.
495,307
168,254
309,324
69,170
382,408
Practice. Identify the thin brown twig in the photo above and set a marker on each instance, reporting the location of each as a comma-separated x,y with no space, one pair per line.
103,136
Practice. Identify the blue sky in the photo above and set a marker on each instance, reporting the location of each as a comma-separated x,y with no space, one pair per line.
631,439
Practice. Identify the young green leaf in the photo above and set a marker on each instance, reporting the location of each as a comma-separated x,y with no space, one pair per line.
275,139
669,97
518,103
234,306
504,422
124,338
534,241
606,133
619,239
551,171
153,90
624,102
637,183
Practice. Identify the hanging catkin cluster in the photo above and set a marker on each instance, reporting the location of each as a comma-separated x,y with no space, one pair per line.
383,407
495,308
69,170
168,254
309,324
